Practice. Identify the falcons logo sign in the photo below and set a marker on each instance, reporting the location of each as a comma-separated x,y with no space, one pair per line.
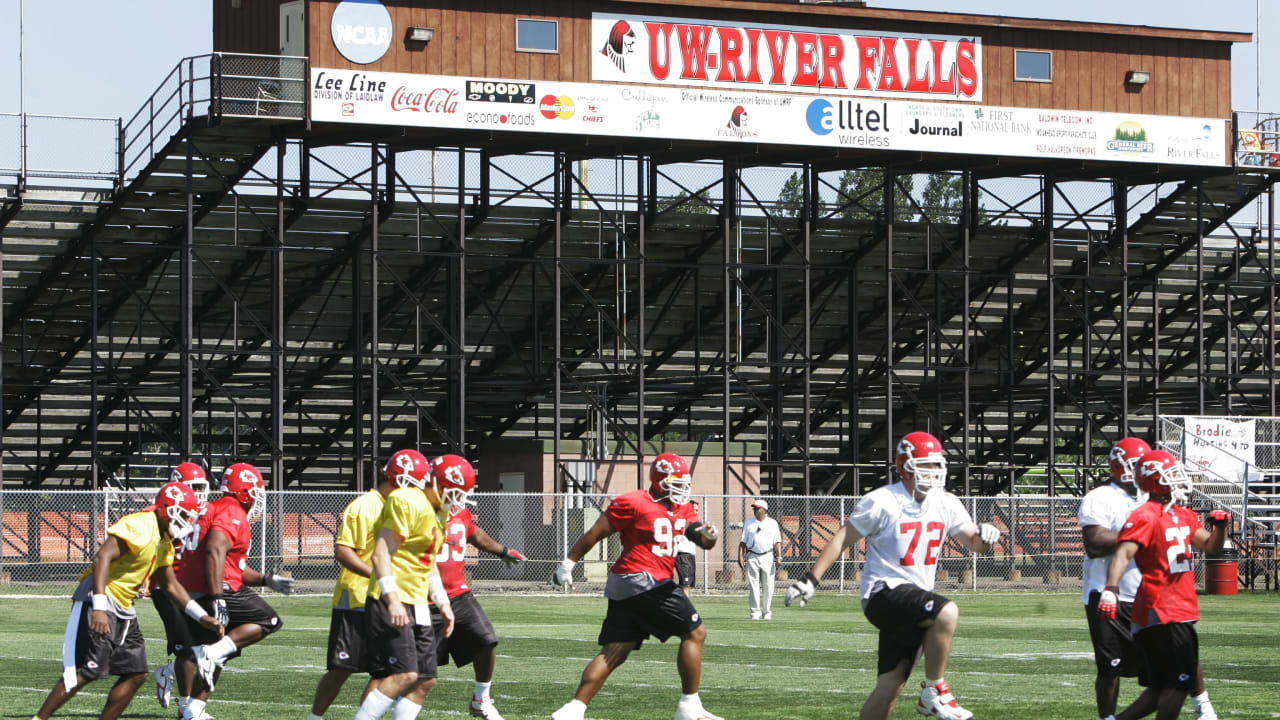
621,43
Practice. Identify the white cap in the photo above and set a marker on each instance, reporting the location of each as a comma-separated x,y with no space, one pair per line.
760,504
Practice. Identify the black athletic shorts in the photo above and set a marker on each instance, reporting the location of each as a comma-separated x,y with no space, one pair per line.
1170,654
346,641
177,632
661,612
123,652
392,650
897,612
686,569
472,631
244,607
1114,651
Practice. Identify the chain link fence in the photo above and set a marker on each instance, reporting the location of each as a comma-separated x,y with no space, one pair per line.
50,536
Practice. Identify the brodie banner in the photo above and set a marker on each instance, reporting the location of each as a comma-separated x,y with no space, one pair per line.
490,104
706,53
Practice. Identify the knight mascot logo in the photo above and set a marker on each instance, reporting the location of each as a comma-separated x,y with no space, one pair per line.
621,43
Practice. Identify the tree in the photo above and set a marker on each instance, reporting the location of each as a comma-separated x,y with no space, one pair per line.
943,197
791,199
701,205
855,183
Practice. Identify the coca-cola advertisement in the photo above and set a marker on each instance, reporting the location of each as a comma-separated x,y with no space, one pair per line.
436,100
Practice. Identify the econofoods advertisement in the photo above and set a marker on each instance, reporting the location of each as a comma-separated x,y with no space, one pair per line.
444,101
724,54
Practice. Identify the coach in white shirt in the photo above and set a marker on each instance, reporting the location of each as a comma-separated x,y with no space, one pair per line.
761,544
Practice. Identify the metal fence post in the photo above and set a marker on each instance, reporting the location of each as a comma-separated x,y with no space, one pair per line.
973,557
843,555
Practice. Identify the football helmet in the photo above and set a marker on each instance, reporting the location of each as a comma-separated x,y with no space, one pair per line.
454,480
919,458
1159,473
179,505
193,476
245,483
669,475
408,468
1124,457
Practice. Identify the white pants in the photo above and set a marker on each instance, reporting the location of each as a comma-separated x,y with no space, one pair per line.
760,573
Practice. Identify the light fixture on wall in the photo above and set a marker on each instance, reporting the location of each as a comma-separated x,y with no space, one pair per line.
419,34
1137,77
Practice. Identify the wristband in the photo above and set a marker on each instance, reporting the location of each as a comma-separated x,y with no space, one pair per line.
1113,588
809,577
194,611
387,585
504,551
101,602
436,591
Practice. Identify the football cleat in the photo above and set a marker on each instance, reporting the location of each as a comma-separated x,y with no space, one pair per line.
164,684
768,616
206,666
1206,712
694,711
937,701
484,709
570,711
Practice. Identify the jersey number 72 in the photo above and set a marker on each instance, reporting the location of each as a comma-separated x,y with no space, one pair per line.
933,530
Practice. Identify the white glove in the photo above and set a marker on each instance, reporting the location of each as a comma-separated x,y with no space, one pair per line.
709,532
802,590
563,576
279,583
220,611
1107,604
989,533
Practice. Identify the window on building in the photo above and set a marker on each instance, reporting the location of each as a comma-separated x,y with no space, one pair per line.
1033,65
541,36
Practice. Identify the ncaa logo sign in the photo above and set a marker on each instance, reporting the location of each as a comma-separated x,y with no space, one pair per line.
361,30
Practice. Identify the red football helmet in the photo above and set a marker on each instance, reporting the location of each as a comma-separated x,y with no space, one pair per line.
454,480
243,481
179,504
193,476
1124,457
1159,473
919,458
408,468
669,475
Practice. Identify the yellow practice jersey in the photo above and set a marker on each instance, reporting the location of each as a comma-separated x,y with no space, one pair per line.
410,515
147,549
357,532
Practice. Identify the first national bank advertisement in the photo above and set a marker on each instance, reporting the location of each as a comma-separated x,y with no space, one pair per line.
788,86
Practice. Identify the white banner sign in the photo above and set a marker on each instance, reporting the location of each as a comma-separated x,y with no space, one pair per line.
445,101
1219,447
705,53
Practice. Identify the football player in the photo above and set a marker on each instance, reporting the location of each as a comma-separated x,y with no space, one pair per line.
352,549
905,525
177,634
473,638
1158,537
102,636
644,600
408,535
219,570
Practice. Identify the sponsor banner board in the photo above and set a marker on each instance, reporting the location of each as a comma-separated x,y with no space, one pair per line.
443,101
744,56
1220,447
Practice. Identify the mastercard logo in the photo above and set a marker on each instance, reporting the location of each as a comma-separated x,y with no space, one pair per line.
553,107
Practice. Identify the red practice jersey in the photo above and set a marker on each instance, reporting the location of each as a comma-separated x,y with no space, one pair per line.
227,516
452,558
1168,590
648,530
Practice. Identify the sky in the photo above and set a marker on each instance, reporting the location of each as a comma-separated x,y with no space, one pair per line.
104,58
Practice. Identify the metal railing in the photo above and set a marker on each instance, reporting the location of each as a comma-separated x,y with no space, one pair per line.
48,537
1256,140
33,145
1249,495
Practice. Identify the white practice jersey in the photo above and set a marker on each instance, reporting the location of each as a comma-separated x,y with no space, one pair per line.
905,537
1108,506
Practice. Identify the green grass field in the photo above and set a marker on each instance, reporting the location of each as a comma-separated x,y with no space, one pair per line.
1016,656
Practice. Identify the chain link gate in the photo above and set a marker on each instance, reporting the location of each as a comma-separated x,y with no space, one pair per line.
50,536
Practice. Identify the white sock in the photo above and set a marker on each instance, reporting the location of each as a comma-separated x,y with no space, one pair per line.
1200,700
691,699
194,709
933,683
183,702
221,649
406,709
373,706
313,716
482,690
576,703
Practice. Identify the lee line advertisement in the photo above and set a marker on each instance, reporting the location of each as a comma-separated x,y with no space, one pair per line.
714,114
